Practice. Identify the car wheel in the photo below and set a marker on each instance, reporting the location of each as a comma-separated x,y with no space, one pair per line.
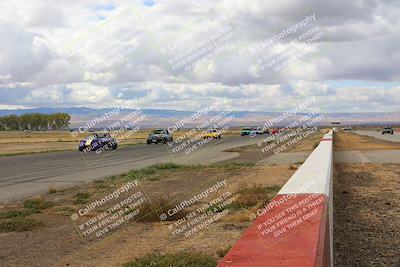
148,142
164,141
114,147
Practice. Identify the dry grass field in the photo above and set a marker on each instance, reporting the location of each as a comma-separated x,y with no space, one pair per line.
46,220
20,142
352,141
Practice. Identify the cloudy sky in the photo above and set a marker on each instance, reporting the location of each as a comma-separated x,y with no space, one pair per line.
172,54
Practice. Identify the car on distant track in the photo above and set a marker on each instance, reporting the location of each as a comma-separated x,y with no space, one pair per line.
212,133
274,131
245,131
248,131
159,136
387,130
259,130
347,129
97,141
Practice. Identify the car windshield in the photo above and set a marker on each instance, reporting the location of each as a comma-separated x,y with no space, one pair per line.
246,129
157,131
102,135
212,131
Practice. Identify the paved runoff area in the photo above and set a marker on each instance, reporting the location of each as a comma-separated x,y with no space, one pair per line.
395,137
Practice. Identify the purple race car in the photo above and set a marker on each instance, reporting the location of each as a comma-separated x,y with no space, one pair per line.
98,141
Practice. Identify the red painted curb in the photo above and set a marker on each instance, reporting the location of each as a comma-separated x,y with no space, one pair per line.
294,232
326,139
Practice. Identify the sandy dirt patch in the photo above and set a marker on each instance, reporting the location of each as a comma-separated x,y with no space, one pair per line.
367,214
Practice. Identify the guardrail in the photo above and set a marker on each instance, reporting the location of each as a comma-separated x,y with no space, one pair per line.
295,228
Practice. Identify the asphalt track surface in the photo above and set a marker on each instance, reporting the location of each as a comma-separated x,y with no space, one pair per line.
28,175
368,156
395,137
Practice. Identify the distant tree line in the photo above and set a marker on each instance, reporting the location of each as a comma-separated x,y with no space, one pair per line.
35,121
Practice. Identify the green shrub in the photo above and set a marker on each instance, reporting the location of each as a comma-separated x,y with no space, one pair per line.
167,166
81,197
151,213
174,260
37,204
16,213
150,171
252,196
19,224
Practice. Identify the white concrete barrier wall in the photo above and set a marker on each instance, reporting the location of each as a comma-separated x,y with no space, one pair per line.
312,243
315,174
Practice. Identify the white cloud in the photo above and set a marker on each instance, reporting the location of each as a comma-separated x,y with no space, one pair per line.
360,42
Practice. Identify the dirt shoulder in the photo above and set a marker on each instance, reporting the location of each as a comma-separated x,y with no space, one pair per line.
366,207
367,214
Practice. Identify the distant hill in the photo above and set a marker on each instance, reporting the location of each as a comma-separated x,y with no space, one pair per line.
164,118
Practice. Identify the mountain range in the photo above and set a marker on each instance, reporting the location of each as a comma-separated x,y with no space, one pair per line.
166,117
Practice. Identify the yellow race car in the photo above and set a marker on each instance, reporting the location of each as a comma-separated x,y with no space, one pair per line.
212,133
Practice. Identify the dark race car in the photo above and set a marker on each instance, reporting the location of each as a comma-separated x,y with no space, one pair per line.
247,131
159,136
98,141
387,130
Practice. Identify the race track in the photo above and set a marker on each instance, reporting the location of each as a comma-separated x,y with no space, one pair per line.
28,175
